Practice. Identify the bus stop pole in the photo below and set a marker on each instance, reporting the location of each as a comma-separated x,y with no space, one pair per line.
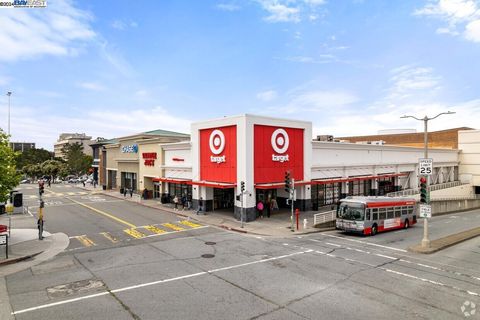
425,240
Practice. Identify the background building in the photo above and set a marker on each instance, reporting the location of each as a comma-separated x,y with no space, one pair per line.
72,138
22,146
447,139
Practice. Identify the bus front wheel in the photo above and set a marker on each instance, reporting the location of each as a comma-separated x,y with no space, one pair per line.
374,230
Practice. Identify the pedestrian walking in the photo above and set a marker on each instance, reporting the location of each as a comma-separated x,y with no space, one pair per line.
269,207
260,208
175,201
131,192
184,202
200,205
124,192
83,182
49,183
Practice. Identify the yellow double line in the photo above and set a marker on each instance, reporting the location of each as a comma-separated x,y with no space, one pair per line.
108,215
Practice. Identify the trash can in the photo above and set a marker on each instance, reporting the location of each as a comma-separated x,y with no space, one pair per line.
121,190
104,187
2,208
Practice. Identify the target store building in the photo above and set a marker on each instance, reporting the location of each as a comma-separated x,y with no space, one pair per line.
258,151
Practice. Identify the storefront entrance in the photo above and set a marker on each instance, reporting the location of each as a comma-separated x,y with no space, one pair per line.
223,199
156,190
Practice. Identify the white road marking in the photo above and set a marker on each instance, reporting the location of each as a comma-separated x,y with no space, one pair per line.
383,256
333,244
367,243
156,282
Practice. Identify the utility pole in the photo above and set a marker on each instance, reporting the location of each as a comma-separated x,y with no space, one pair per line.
9,93
425,119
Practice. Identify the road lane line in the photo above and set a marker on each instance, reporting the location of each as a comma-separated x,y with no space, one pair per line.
172,226
155,229
333,244
104,213
365,242
85,241
134,233
109,237
156,282
189,224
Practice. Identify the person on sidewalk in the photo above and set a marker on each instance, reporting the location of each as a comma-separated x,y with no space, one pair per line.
131,192
184,202
268,205
175,201
260,209
124,192
200,205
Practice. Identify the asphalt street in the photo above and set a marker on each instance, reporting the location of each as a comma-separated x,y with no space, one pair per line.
191,271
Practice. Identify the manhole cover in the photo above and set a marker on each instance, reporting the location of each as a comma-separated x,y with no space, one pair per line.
208,255
210,243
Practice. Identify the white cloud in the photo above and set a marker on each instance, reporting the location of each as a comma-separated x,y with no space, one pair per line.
122,25
92,86
108,124
59,30
411,81
228,7
267,96
462,17
290,10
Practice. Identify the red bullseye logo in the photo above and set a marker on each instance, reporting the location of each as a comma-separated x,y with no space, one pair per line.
217,141
280,141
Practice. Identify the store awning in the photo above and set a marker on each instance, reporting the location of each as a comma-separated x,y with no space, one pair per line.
279,185
172,180
360,178
210,184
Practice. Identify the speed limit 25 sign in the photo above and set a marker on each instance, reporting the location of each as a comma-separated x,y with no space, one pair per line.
425,166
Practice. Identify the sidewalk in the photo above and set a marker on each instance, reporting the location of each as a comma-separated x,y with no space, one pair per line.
278,225
24,248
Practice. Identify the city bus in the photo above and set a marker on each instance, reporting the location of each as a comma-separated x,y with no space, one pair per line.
370,215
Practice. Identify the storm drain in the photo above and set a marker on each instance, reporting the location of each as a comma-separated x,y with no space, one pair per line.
75,287
210,243
208,255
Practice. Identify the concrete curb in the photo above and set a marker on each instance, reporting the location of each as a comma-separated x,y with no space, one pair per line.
18,259
445,242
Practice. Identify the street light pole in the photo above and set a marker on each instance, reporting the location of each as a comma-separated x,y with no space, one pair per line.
9,93
426,240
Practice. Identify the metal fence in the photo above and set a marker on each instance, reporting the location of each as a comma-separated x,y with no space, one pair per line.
411,192
323,217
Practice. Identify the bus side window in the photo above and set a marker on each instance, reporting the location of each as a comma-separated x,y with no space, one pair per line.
374,214
410,210
404,211
390,214
382,213
398,212
367,216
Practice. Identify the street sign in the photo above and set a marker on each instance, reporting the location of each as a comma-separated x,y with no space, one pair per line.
425,166
3,239
425,211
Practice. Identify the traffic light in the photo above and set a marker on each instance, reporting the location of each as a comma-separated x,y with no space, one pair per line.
41,188
423,190
242,186
287,181
42,204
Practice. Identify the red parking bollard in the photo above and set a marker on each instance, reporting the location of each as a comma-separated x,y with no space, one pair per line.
297,214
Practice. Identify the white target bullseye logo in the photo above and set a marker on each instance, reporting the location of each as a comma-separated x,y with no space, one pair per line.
217,141
280,141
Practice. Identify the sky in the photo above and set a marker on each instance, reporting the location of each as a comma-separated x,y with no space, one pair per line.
351,67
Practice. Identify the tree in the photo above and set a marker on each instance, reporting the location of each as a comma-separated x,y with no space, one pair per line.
78,163
52,168
9,177
33,156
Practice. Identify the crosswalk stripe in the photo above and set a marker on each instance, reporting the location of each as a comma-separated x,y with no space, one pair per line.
71,193
109,237
85,241
155,229
134,233
172,226
189,224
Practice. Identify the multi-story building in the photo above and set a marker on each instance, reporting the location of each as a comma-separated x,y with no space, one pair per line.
72,138
22,146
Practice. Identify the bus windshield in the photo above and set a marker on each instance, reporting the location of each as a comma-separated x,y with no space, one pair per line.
351,211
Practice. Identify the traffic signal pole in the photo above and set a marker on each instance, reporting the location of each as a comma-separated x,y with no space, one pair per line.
425,240
292,197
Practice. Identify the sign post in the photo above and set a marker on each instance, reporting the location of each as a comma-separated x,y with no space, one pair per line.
4,242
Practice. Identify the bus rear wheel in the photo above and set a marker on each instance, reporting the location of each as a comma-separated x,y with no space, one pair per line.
374,230
406,224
